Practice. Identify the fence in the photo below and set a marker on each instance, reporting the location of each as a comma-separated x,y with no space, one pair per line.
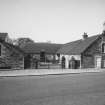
42,65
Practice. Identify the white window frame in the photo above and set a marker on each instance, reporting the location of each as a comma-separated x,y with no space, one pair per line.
103,63
96,61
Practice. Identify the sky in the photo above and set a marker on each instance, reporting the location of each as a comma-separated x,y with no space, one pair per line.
58,21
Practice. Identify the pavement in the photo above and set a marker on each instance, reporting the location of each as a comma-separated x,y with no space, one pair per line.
41,72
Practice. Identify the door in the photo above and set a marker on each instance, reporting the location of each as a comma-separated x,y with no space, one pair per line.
98,62
27,62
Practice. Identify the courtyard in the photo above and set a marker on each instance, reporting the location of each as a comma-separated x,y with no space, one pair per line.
69,89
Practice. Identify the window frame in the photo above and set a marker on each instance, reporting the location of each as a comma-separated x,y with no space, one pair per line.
42,56
103,47
0,50
97,62
104,63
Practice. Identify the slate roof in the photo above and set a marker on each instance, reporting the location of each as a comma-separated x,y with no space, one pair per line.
36,48
77,47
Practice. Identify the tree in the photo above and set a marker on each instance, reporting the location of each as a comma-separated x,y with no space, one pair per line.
23,41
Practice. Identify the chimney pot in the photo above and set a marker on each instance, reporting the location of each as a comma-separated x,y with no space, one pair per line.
103,28
85,36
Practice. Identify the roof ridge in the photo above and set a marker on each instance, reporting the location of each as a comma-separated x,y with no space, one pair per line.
45,43
97,36
84,40
78,46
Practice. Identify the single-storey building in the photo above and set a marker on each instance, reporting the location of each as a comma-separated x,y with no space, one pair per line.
40,55
88,52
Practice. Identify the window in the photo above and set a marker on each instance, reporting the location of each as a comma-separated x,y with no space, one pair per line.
103,47
98,62
42,56
103,63
0,50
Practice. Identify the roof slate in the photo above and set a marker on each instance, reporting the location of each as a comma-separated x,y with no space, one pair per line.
38,47
77,47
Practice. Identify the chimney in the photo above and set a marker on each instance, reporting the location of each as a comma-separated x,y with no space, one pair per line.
85,36
103,28
3,36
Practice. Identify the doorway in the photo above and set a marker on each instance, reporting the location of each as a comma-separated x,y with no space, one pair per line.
27,62
98,61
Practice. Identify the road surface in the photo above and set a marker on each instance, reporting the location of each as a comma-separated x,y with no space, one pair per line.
71,89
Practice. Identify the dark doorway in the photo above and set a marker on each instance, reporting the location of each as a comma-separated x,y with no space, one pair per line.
72,63
27,62
77,63
63,62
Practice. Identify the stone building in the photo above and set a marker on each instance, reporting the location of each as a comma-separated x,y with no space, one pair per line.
40,55
88,52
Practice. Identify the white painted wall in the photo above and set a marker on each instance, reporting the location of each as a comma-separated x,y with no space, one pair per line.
68,57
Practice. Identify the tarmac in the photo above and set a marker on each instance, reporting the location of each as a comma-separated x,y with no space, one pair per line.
42,72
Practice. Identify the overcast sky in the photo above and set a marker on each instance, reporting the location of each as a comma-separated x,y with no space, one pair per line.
59,21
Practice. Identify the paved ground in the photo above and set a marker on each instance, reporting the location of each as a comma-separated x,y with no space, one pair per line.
37,72
71,89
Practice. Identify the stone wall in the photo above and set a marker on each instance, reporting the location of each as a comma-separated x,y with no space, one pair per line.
87,62
11,58
88,57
